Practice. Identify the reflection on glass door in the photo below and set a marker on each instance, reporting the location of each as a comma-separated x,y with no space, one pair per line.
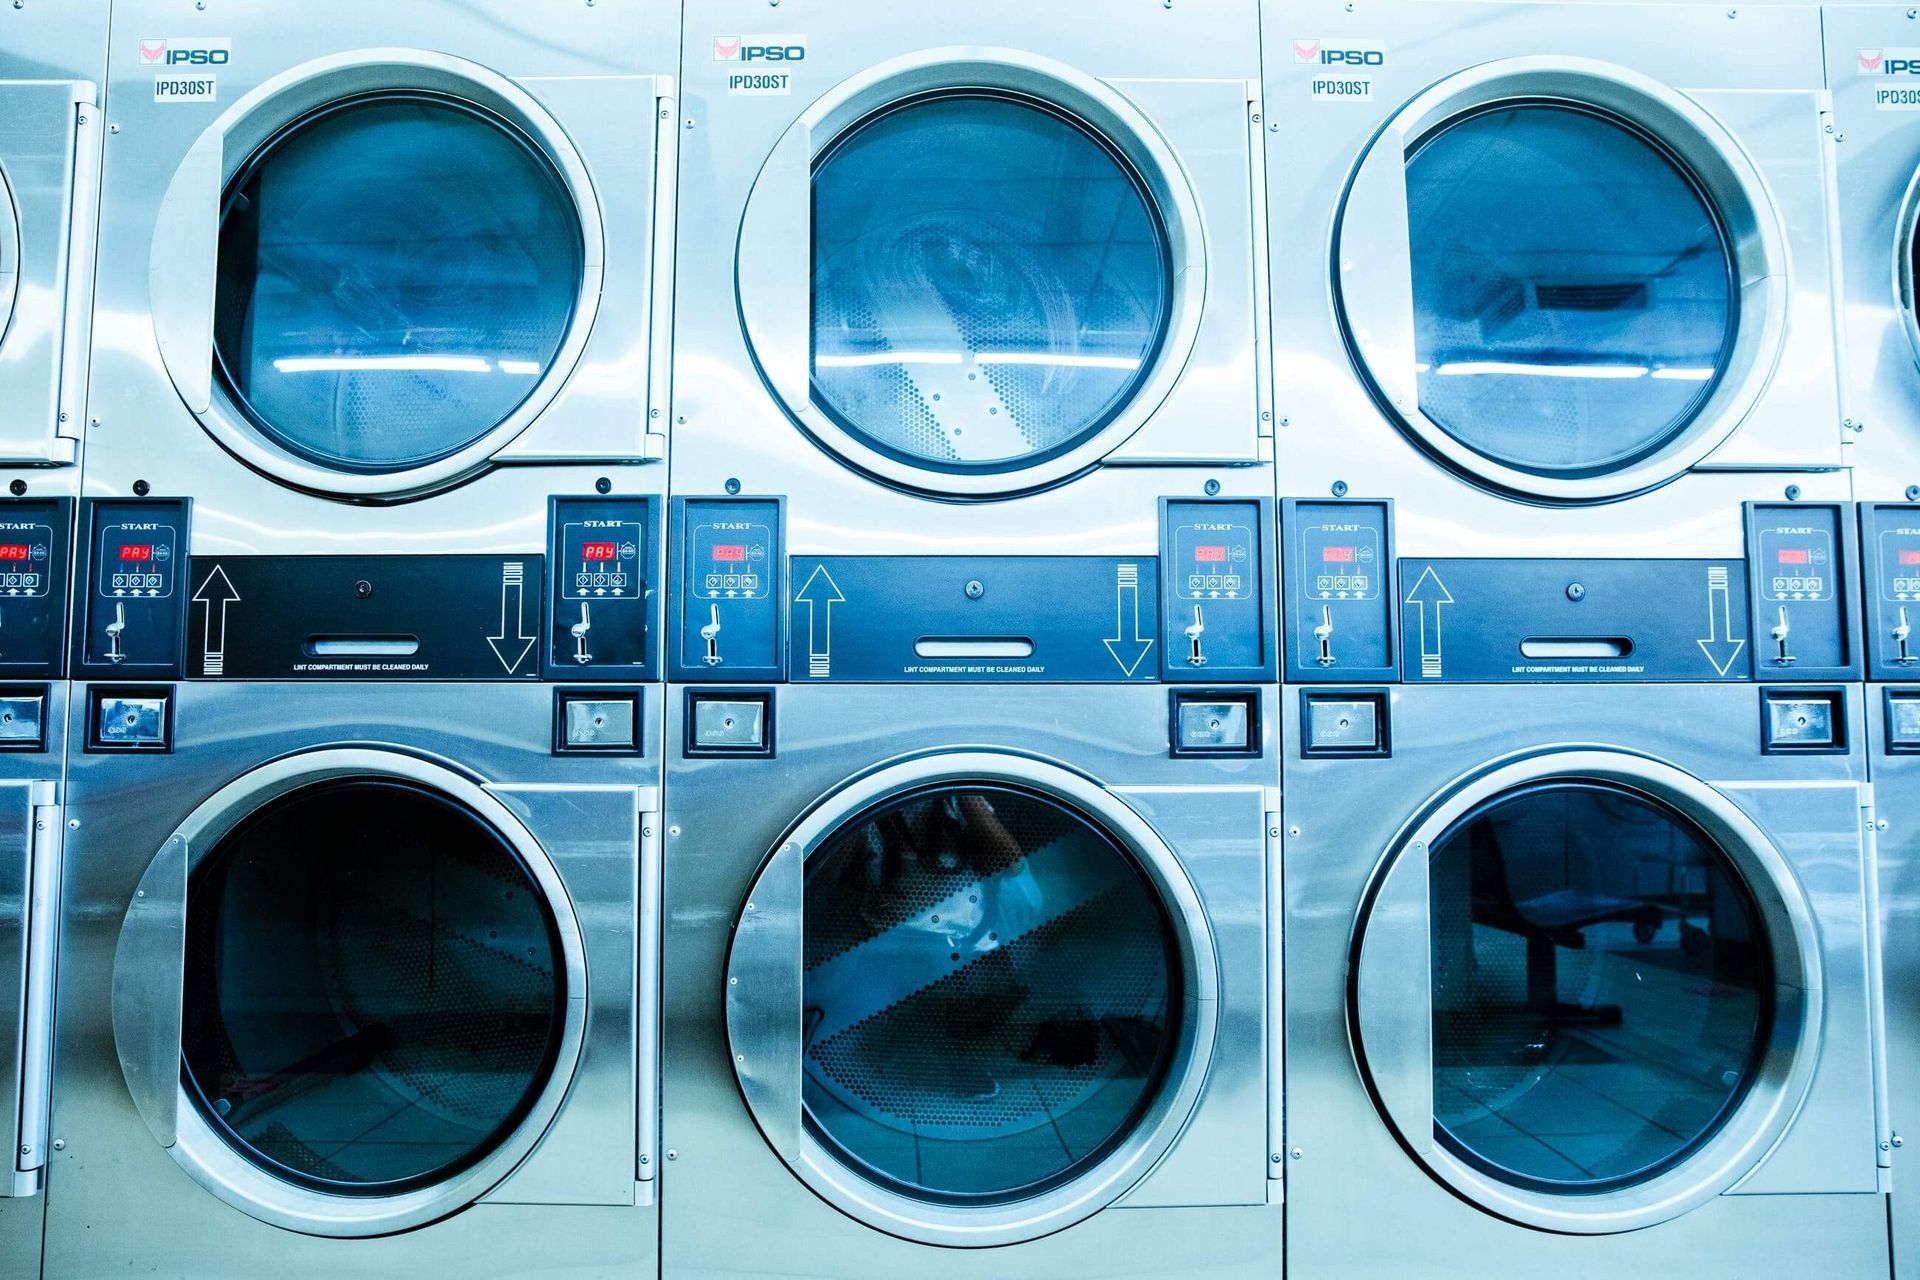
991,992
1601,986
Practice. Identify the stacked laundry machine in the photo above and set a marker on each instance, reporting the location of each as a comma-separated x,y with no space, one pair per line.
972,803
1579,931
761,637
357,942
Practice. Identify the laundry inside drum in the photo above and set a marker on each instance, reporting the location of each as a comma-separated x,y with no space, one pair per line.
374,987
991,994
991,283
1602,987
1575,300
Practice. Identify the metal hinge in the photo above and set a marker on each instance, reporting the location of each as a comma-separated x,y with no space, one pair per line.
1275,1037
1885,1141
647,995
1262,281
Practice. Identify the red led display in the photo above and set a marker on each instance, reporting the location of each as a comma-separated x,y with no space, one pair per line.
1795,557
13,553
1210,555
596,551
1910,557
132,552
1336,555
730,553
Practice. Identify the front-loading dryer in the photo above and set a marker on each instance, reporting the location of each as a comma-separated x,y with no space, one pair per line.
1580,951
358,973
990,273
965,965
386,281
1554,276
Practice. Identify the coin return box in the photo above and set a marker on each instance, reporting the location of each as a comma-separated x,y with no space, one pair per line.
729,723
1344,724
1803,721
23,718
1215,723
1903,722
597,722
130,719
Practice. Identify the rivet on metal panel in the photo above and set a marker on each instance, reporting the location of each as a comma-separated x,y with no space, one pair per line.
674,830
672,1154
1293,831
975,588
1277,1157
60,1144
1793,493
1576,591
1212,487
1913,493
1296,1153
73,824
1339,488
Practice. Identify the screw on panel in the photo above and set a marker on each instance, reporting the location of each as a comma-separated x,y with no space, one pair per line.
1276,1157
60,1144
603,485
19,487
1913,493
1576,591
141,488
1339,488
73,824
689,122
1793,493
1293,831
1212,487
732,486
975,588
1296,1153
672,1154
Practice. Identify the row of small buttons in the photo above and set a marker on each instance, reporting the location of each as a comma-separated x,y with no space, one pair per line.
599,579
134,581
733,582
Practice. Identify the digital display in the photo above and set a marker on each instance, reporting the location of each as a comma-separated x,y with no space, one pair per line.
597,551
730,554
1910,557
1210,555
15,552
1336,555
131,552
1795,557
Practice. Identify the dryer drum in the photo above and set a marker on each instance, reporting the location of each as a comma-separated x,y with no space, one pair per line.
991,282
1574,294
990,993
397,273
373,999
1602,986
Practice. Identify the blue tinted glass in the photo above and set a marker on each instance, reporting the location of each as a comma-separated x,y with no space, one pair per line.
989,283
1573,303
373,994
990,994
1600,986
395,277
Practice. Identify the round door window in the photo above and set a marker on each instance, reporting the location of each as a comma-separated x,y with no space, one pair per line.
990,994
1601,985
991,283
396,275
374,998
1574,293
9,255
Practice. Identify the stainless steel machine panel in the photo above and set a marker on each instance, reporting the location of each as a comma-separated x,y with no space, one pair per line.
1682,849
829,1109
215,1109
500,306
1486,329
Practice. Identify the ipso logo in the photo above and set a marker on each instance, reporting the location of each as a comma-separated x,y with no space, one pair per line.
1351,56
1890,62
186,53
759,48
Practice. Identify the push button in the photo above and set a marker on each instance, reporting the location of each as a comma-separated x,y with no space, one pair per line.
1803,720
597,722
729,724
1344,724
1216,724
130,719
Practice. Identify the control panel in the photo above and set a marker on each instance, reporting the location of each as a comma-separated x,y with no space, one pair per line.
729,579
1339,579
1890,552
601,592
960,618
1800,579
133,614
1542,621
34,553
353,617
1213,570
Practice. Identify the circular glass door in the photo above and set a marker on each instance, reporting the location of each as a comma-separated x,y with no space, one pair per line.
375,993
991,283
991,994
1573,290
397,274
1602,986
9,256
971,999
